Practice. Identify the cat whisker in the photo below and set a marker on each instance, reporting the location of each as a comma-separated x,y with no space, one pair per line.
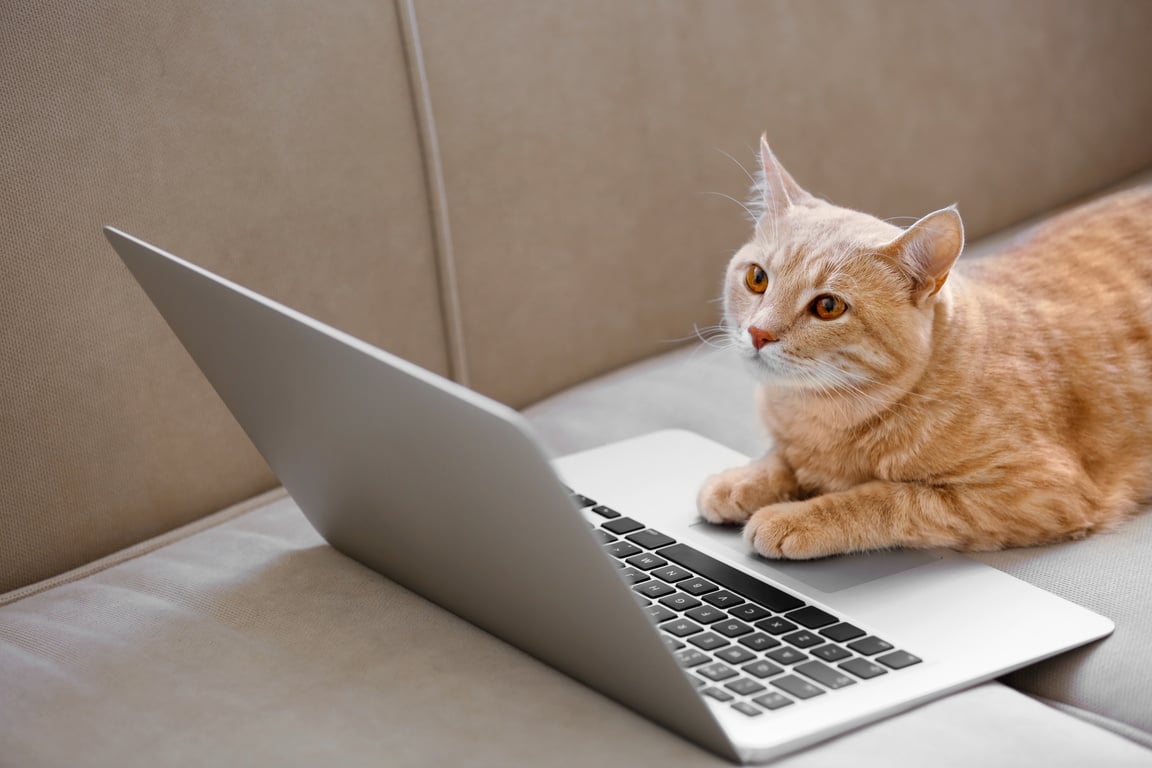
852,383
752,216
711,335
739,164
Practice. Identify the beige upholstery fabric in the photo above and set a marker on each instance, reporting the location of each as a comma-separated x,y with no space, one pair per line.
274,144
253,643
580,142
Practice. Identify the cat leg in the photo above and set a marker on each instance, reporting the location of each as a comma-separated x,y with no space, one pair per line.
883,515
874,515
733,495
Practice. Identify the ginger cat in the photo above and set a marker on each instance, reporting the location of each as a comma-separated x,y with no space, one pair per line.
919,402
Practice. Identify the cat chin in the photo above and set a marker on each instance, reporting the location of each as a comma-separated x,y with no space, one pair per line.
771,374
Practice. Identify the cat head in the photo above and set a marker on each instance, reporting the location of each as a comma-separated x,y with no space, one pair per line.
827,299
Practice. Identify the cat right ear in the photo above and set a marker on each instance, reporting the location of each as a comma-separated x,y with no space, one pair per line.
778,190
927,250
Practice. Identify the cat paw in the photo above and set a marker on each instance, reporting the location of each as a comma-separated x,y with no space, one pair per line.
732,496
791,531
727,498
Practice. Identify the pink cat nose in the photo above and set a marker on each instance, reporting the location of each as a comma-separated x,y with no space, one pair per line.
760,336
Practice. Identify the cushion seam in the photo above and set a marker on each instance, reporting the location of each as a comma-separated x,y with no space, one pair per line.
144,547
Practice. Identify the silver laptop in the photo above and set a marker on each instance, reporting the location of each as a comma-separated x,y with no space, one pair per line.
597,563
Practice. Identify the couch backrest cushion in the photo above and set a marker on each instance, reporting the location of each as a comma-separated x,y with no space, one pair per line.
580,143
274,143
554,158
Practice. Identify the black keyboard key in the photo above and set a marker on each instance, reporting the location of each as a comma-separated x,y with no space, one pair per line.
726,576
680,601
803,639
633,576
650,539
604,511
842,632
749,612
762,669
698,586
646,561
772,700
824,674
801,689
898,659
690,657
706,614
582,501
604,536
734,654
659,613
654,589
745,686
731,628
622,525
724,599
775,625
718,694
867,646
672,643
830,652
812,617
863,668
671,573
759,641
622,549
745,708
708,641
716,671
681,627
786,655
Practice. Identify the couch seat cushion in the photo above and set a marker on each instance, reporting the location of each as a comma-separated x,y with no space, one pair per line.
252,642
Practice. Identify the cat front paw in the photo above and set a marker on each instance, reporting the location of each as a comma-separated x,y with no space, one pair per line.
730,497
792,531
719,500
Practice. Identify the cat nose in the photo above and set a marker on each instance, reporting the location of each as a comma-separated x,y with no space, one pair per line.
760,336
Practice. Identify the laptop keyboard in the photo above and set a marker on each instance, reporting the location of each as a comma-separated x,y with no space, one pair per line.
741,640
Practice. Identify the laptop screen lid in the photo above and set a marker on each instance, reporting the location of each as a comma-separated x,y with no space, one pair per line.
435,486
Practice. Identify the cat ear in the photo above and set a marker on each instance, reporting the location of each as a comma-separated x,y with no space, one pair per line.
928,249
779,191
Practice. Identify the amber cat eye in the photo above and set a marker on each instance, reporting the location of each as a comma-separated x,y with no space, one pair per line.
828,307
756,279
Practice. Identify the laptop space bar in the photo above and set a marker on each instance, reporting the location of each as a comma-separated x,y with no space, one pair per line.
726,576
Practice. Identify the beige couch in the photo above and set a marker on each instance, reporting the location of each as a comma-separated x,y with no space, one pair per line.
518,195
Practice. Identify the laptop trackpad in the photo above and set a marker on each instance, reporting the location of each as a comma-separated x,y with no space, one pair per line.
828,574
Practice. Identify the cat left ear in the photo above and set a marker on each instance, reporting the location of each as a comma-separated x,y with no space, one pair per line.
777,187
928,249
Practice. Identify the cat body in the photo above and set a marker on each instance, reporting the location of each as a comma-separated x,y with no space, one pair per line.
915,401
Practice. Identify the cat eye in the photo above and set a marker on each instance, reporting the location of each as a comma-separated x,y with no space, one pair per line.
756,279
828,307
